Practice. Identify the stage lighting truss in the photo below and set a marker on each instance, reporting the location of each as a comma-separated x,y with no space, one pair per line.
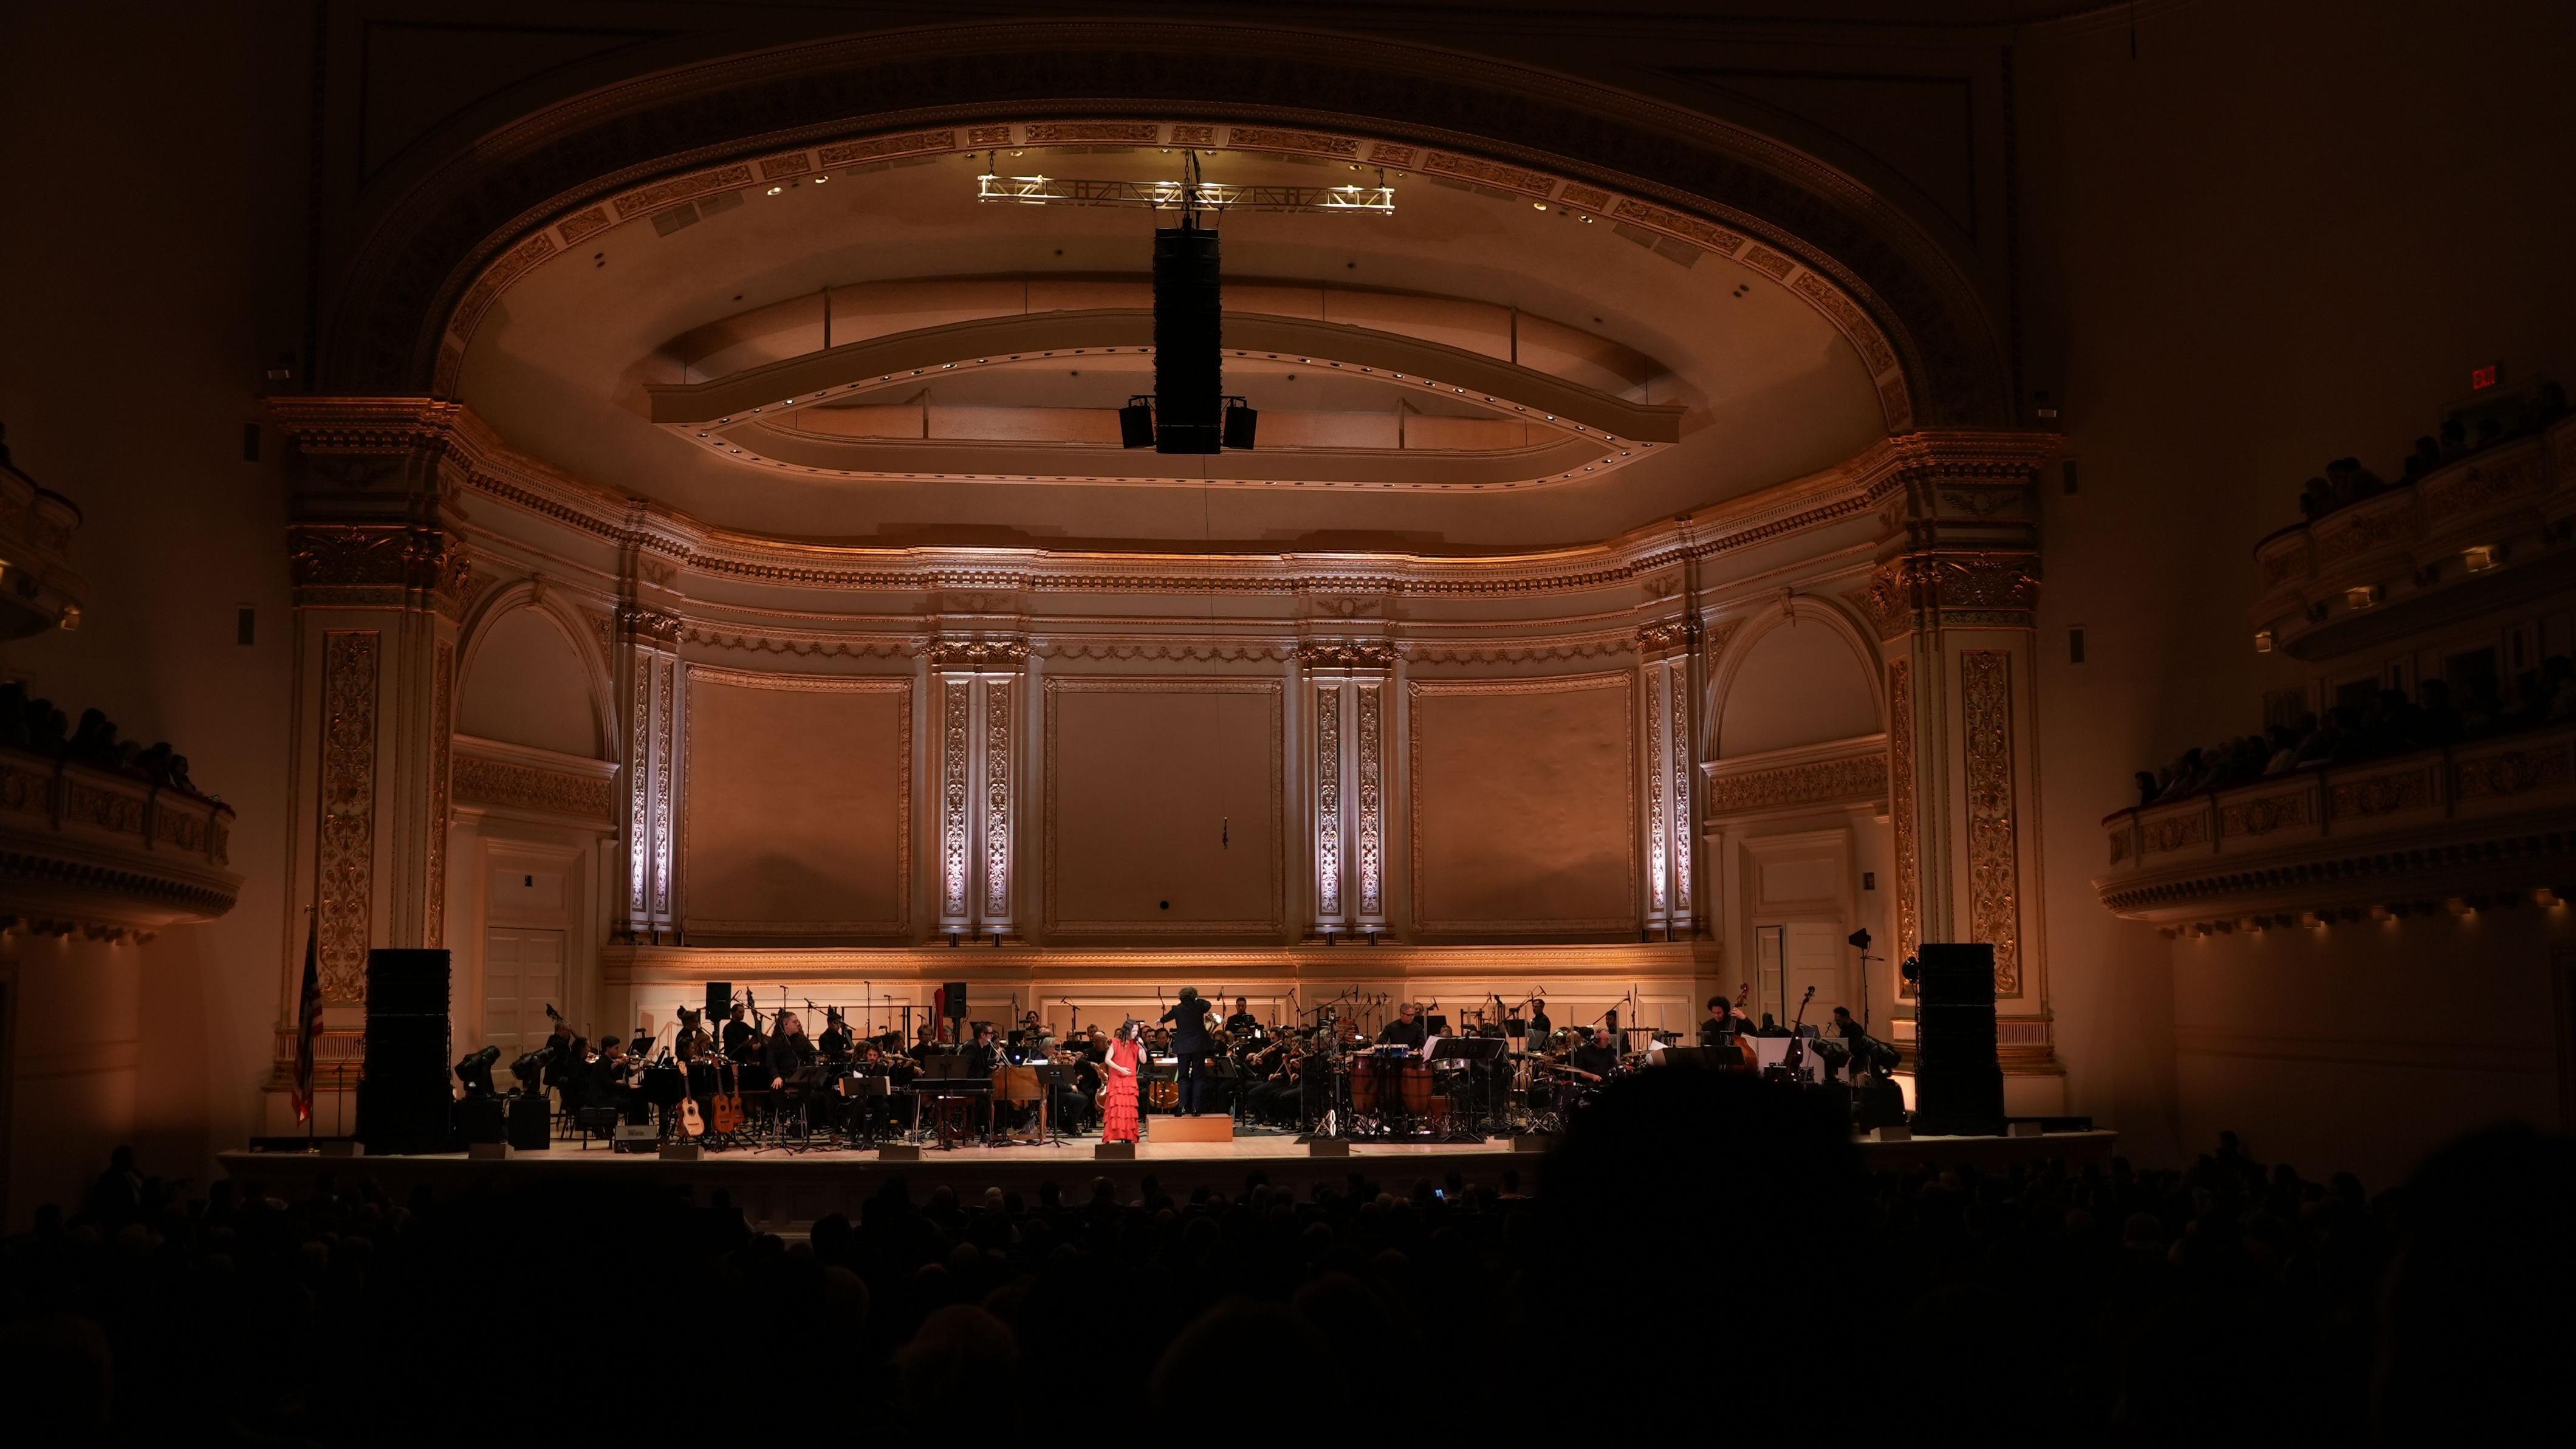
1377,200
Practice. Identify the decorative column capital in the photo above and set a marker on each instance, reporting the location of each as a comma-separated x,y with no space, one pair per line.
955,655
649,627
371,565
1667,636
1346,654
1926,591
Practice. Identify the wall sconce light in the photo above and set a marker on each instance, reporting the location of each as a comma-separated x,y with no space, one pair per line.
2262,641
2482,558
2362,597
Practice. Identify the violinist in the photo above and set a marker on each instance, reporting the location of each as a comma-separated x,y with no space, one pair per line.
605,1081
925,1045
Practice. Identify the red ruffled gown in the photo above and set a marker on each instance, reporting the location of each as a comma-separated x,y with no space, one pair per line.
1119,1122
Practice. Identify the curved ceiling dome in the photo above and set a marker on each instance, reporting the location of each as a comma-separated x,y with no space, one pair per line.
873,352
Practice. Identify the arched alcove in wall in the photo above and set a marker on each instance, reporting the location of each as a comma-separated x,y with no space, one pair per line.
526,683
1803,680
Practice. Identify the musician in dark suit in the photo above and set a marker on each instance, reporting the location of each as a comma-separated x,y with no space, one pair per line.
1406,1030
741,1038
1597,1058
836,1041
1722,1025
1192,1044
981,1055
789,1051
1243,1019
604,1082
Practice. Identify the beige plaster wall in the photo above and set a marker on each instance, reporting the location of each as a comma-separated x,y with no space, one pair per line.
143,284
797,814
2276,235
1164,809
1523,806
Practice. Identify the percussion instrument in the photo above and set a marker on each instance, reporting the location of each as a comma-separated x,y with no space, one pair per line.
1391,1085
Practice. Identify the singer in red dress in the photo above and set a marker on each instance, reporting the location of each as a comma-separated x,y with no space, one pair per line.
1120,1121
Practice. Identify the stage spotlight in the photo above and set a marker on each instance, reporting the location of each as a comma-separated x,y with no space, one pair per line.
1858,940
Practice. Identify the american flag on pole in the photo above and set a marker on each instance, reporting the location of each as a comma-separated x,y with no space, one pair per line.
308,1030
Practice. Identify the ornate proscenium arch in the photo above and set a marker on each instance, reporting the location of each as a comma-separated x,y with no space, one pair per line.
1857,258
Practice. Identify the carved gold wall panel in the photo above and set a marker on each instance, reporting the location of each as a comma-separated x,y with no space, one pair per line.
441,744
954,799
1994,873
347,836
1328,800
1372,800
1900,786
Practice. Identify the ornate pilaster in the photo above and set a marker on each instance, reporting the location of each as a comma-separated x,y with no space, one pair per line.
648,695
380,575
1346,836
1952,598
1664,651
975,684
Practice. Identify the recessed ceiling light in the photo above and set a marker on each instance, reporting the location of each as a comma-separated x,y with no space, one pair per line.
1538,206
776,189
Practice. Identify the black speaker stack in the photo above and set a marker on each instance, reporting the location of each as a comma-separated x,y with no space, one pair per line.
719,1002
956,991
403,1100
1189,377
1958,1078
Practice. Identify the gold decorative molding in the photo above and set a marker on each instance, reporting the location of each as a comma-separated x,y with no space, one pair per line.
347,836
484,780
1931,590
649,627
998,798
1667,635
1901,806
1371,699
976,656
954,800
1994,873
441,744
1328,800
1854,777
1352,654
380,566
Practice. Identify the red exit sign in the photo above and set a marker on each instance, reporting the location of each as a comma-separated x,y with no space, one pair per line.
2482,378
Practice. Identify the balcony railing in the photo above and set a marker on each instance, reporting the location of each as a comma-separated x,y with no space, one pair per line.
107,854
2497,519
2489,823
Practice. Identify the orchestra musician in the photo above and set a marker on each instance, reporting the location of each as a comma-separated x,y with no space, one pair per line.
1539,1025
1723,1025
836,1041
1243,1020
1596,1059
789,1051
925,1044
1190,1043
741,1038
605,1081
1406,1030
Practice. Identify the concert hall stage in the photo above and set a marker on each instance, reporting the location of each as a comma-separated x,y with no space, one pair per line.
785,1191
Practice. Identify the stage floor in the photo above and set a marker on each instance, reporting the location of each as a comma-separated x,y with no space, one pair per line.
783,1191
